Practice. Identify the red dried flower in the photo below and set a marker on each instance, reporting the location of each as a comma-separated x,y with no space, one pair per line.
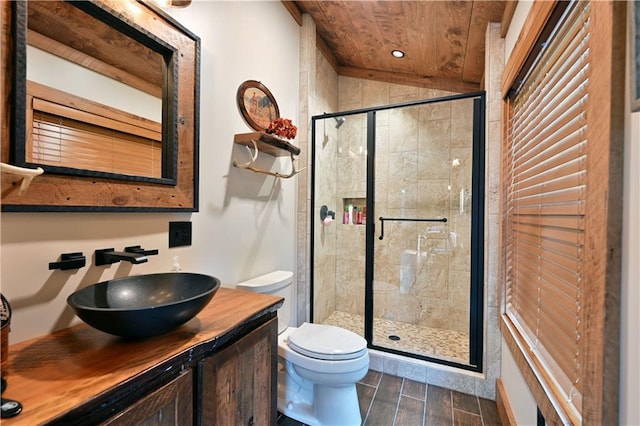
282,127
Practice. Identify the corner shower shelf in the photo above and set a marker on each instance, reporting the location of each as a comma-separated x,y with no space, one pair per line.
267,143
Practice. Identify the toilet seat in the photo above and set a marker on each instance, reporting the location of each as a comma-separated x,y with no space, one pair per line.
327,342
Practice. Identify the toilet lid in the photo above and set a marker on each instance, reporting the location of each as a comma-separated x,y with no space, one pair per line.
327,342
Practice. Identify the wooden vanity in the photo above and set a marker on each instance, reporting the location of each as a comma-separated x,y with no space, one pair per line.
219,368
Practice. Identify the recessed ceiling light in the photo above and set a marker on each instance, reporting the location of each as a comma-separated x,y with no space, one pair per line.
397,53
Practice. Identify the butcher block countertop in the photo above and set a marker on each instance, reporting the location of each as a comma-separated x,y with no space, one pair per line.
82,367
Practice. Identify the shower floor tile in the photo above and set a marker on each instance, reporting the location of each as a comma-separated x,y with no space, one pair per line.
420,340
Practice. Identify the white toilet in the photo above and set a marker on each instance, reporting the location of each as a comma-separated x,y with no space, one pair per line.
318,365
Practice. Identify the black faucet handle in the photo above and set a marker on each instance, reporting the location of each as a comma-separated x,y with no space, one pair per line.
140,250
69,261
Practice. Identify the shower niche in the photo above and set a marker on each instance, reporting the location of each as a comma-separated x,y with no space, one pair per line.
354,211
408,276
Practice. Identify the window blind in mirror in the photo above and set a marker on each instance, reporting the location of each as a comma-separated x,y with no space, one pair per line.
68,131
61,141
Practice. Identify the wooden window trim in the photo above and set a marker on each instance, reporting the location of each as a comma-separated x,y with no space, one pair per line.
603,217
57,102
538,16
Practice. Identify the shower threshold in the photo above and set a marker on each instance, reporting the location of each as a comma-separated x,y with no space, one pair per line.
415,339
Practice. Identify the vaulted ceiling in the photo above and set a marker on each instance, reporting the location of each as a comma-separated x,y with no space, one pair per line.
443,41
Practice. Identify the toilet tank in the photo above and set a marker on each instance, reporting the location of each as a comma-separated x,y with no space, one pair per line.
277,283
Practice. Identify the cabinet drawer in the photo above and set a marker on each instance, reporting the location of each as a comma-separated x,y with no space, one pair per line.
171,404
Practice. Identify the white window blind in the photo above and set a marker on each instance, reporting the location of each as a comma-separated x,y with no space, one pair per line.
545,172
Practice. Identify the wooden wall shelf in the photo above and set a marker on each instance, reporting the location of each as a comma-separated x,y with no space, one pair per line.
267,143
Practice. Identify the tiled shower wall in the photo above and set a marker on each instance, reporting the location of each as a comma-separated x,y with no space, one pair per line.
318,94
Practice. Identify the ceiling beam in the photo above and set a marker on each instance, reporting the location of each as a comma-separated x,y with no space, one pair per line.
293,10
410,80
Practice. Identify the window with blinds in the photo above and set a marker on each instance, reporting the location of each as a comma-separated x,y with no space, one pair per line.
94,137
545,189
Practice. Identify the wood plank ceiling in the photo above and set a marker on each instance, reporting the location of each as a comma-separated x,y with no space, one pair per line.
443,41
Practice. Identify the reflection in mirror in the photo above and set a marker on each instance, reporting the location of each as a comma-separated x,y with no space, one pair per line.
94,95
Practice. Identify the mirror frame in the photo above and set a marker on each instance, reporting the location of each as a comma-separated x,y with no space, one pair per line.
177,190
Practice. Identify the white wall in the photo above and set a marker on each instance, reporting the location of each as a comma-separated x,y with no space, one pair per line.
518,394
630,292
519,16
630,314
246,223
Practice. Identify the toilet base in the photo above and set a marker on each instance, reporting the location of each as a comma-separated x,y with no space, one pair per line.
318,405
337,407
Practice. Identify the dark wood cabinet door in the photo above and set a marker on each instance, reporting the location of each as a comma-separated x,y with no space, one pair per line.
170,405
239,383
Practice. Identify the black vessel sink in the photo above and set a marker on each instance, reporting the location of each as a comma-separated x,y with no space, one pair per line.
144,305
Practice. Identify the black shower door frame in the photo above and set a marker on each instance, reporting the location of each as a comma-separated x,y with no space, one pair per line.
476,314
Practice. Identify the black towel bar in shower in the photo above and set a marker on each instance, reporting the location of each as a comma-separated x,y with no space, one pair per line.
403,219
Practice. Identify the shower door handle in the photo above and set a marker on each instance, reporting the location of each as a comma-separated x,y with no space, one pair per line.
403,219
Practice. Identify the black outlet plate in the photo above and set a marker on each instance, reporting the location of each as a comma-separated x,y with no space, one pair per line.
179,234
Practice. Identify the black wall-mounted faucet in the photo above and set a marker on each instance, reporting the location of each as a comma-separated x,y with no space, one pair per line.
108,256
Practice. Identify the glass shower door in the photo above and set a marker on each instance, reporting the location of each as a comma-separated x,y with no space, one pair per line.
400,260
423,191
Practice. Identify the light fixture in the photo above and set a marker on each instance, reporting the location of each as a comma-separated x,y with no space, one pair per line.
179,3
173,3
397,53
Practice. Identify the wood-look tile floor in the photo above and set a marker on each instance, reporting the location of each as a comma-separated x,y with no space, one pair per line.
387,400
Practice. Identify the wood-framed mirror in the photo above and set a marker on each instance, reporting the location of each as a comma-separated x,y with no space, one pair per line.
104,96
